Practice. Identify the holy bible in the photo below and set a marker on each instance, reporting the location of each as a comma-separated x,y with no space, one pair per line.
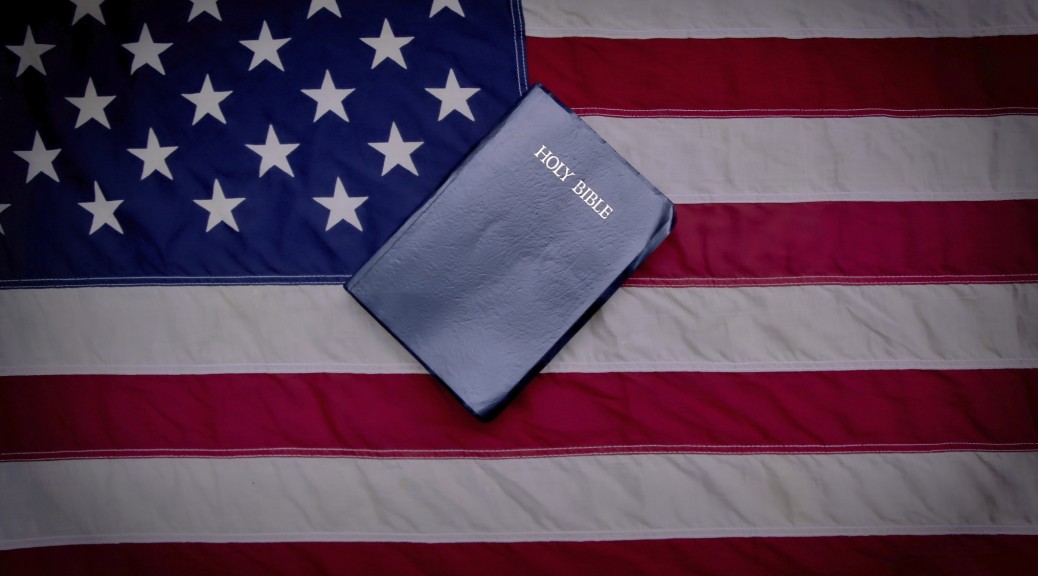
513,253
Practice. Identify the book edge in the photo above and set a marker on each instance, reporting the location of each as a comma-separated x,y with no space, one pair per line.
665,225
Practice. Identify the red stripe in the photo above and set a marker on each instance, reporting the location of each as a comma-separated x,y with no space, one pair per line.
783,77
866,556
559,414
847,243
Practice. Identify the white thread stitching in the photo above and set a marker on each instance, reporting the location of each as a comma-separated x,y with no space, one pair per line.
566,31
781,114
635,284
850,276
525,450
522,44
802,109
532,456
515,46
330,277
616,366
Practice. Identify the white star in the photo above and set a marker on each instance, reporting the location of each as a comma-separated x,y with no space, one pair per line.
207,102
91,106
204,6
30,53
103,211
154,156
329,98
388,46
220,208
453,97
438,5
318,5
2,208
88,8
146,51
265,48
397,152
273,153
40,159
341,207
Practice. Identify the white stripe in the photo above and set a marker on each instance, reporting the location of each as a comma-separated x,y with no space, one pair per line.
507,500
819,159
212,329
778,18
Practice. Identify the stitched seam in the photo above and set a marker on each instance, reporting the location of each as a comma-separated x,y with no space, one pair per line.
235,277
515,46
802,109
532,456
615,366
721,284
533,449
564,31
1028,274
780,114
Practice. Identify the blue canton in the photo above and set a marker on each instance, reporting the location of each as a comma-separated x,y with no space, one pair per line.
235,141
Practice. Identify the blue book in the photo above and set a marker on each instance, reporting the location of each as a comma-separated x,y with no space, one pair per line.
515,251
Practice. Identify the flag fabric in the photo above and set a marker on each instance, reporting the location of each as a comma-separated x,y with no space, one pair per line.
234,142
830,366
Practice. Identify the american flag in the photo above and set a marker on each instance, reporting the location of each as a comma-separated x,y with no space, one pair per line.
830,366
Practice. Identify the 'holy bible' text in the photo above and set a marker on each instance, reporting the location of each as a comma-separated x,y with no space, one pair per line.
580,188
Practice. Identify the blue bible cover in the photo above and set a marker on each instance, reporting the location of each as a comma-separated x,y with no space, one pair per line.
518,247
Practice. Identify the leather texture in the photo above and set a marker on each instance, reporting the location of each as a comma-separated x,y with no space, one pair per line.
489,278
